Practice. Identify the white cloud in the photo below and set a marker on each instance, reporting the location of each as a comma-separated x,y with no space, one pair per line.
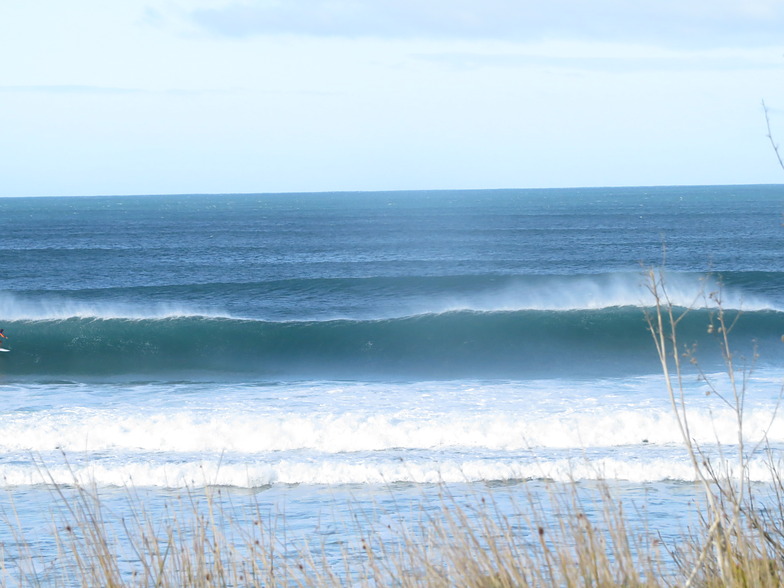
682,23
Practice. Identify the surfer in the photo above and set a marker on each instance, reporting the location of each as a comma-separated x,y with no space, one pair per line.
4,336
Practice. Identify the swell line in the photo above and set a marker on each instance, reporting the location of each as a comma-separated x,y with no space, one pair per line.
527,343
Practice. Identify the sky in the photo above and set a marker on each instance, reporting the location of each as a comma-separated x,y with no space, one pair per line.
232,96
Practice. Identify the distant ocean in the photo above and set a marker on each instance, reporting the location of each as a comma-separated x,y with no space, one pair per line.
306,348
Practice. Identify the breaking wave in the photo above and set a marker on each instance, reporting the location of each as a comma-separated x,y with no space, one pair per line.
530,343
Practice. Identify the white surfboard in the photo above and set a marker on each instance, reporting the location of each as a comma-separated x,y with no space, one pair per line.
6,350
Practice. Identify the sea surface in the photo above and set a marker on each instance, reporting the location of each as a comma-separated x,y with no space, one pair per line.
323,353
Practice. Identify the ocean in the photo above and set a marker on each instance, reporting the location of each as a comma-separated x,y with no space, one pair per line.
319,354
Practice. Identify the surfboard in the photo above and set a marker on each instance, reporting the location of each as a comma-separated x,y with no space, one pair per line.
6,350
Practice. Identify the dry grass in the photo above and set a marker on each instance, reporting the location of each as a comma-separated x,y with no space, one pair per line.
203,541
579,537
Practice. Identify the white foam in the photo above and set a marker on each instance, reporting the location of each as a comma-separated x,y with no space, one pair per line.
334,471
160,434
100,430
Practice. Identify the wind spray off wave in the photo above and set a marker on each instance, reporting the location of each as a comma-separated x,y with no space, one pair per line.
379,297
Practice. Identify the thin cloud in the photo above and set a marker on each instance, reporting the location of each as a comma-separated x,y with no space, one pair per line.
106,90
69,89
691,23
676,62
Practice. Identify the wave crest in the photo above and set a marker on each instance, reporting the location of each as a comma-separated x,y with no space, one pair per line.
528,343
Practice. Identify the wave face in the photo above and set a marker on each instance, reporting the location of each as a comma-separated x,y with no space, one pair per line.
527,343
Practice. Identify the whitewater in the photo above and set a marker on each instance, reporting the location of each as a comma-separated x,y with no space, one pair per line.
302,347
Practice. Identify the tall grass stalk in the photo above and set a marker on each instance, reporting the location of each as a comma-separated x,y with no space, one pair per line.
738,547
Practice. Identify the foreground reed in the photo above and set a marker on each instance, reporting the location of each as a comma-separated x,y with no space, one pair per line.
203,540
740,540
580,538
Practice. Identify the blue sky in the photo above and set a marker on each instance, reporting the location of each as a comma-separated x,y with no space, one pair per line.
219,96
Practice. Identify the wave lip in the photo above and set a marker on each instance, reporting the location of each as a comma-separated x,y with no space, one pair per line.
603,291
368,298
14,307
